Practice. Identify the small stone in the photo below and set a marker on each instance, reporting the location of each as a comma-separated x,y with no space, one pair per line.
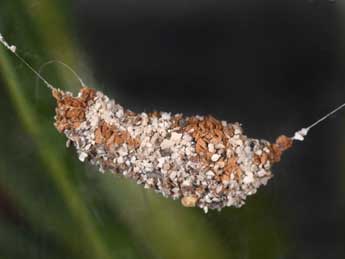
211,148
189,201
221,164
215,157
261,173
83,156
186,183
120,160
166,144
210,174
248,178
175,137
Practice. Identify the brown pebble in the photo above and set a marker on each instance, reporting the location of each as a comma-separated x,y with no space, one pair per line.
189,201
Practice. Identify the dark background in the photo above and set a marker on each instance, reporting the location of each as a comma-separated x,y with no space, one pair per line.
274,66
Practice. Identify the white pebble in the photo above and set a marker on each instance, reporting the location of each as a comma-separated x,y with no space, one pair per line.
248,178
215,157
83,156
211,148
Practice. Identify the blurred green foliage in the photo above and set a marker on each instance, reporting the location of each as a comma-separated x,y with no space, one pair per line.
55,207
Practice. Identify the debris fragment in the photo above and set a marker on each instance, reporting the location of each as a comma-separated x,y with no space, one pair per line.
205,162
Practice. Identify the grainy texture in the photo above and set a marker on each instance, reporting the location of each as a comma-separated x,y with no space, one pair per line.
202,161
